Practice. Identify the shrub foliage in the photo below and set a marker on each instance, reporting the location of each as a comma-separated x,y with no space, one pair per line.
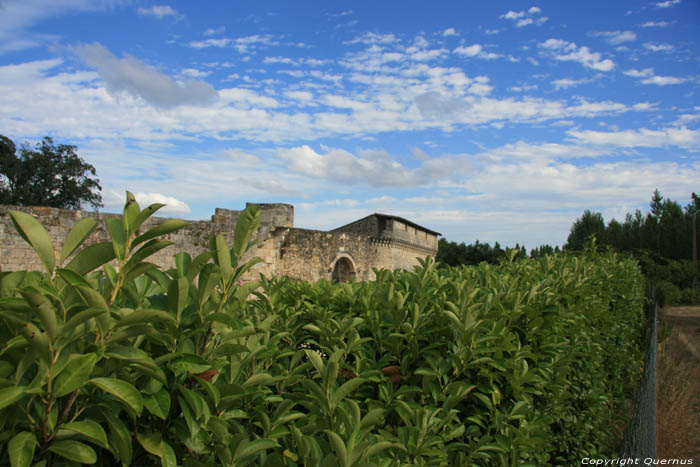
108,359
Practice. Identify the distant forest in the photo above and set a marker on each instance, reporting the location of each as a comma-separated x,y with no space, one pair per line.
661,240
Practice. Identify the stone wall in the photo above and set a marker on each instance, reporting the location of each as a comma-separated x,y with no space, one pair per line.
16,254
312,254
352,251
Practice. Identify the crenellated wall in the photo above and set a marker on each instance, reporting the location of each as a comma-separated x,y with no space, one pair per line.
351,251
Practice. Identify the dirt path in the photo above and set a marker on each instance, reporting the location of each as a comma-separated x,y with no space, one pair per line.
678,378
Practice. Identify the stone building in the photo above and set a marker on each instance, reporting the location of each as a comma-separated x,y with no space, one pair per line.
349,252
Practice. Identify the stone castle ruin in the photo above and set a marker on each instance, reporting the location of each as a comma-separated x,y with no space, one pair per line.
349,252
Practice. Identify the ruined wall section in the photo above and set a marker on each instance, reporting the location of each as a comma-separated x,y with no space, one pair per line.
311,254
16,254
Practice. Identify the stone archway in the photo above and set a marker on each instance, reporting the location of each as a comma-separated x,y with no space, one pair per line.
343,269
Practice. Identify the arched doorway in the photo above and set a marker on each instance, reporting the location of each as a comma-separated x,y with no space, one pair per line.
343,269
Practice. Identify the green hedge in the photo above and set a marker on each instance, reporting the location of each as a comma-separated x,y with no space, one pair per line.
107,357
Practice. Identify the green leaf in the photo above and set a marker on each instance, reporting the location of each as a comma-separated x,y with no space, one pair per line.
74,451
36,235
258,379
92,257
131,212
38,340
254,447
75,374
223,258
210,389
158,404
145,214
346,389
148,315
11,395
43,308
120,437
170,225
21,449
315,360
89,429
122,390
182,264
145,251
77,235
115,227
246,226
339,445
78,319
178,295
376,448
10,282
189,363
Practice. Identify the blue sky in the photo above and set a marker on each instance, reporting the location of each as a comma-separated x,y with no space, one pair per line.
496,121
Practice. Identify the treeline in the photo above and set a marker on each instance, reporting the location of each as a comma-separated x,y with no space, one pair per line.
455,254
666,231
661,241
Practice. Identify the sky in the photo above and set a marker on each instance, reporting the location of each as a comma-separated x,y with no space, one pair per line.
490,121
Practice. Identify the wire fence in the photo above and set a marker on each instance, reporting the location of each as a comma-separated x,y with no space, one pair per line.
640,441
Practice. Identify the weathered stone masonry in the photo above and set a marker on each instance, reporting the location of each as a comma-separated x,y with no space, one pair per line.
349,252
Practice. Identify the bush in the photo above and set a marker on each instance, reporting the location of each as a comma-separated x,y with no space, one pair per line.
519,363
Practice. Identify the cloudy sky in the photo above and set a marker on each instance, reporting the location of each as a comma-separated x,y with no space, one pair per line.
496,121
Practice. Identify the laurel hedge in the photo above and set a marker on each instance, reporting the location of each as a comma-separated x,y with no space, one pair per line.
109,360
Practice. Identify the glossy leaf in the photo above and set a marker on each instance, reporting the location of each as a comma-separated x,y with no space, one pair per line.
21,449
88,429
75,374
74,451
80,231
122,390
36,235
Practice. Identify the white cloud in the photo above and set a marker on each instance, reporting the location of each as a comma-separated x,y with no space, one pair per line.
449,32
643,137
475,50
525,18
569,51
664,80
368,167
301,96
214,31
566,83
242,157
372,38
616,37
513,15
138,79
160,12
194,73
648,77
668,3
18,16
114,200
210,43
655,24
658,47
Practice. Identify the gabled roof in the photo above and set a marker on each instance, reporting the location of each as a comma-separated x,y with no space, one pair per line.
389,216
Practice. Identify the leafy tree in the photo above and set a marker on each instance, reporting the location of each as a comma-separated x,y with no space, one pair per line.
48,175
589,224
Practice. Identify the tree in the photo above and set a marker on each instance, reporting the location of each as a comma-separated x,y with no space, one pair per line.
49,175
590,223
